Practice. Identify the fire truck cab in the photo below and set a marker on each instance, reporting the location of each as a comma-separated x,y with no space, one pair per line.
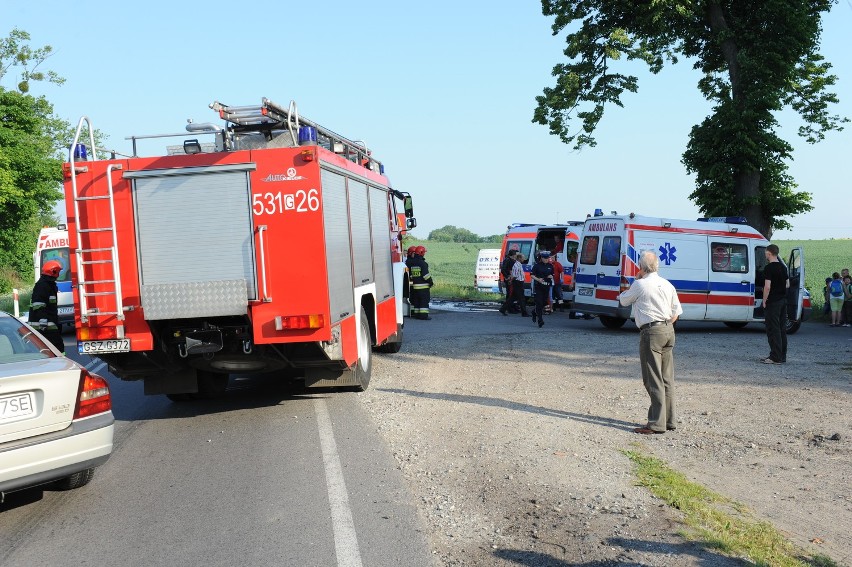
715,264
275,247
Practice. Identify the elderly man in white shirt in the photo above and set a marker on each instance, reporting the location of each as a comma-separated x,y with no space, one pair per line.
655,309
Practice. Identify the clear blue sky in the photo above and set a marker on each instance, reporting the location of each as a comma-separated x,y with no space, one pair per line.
443,92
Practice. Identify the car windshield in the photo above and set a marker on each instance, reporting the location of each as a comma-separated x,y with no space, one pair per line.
18,342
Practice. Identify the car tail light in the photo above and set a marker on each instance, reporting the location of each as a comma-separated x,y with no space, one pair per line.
624,285
94,396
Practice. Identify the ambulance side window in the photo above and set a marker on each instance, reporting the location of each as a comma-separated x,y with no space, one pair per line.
729,258
589,254
571,251
522,246
611,253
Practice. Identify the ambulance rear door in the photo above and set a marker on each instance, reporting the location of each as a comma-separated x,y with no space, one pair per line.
599,267
733,263
796,292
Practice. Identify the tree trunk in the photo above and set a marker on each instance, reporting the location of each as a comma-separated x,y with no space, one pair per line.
747,190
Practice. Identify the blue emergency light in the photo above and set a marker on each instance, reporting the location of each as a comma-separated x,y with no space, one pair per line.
729,220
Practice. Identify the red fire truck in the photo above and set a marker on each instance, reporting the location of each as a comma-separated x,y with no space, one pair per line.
273,248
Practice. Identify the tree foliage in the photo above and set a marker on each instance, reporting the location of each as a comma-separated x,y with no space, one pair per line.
31,138
450,233
756,58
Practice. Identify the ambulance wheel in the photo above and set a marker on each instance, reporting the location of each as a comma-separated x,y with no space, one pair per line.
364,366
793,326
735,324
612,322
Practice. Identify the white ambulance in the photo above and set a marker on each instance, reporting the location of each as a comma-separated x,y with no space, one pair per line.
52,244
715,264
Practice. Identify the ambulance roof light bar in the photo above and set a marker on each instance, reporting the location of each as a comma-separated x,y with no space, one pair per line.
729,220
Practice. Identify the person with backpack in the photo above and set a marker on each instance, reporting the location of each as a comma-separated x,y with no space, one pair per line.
836,297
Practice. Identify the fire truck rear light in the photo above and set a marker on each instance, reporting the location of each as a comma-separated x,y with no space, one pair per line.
293,322
94,396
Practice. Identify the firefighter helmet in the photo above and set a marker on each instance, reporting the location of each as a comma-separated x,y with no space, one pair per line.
420,250
411,250
51,268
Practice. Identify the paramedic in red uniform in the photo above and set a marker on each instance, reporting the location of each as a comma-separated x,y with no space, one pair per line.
421,282
775,306
44,310
655,309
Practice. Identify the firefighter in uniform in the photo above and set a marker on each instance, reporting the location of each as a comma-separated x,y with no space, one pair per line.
44,311
421,282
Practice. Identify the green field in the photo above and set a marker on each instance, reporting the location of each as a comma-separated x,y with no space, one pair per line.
453,265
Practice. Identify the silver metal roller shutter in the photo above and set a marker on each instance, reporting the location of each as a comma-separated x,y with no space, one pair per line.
362,250
196,244
338,262
380,226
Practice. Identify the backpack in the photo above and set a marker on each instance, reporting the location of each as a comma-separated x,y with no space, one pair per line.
836,288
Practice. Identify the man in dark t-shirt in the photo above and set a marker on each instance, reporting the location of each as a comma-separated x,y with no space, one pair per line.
775,306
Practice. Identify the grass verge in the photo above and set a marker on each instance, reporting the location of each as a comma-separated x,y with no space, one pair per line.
720,523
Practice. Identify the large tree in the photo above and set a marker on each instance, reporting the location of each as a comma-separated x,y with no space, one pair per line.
756,57
31,138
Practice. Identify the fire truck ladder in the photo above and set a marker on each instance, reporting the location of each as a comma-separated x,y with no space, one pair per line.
270,114
105,255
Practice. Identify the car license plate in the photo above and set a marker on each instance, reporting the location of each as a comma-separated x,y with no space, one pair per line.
585,291
95,347
65,311
16,406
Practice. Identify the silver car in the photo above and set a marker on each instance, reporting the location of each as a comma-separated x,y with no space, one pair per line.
56,422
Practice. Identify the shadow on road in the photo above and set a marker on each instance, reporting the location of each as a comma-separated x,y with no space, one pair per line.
506,404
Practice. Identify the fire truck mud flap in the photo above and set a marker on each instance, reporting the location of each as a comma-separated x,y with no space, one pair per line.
357,377
182,382
393,344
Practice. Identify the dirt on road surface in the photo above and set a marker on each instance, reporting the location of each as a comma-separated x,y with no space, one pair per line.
512,437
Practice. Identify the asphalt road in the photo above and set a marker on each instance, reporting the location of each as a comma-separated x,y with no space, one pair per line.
265,476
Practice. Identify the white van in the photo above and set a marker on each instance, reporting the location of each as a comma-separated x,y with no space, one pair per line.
715,264
487,277
53,244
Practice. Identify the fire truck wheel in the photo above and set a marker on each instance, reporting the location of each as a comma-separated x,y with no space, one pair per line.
612,322
364,366
736,324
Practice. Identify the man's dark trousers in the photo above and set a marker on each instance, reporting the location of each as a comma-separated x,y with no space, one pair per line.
775,314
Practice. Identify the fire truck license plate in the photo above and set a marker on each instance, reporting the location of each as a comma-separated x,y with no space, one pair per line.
94,347
584,291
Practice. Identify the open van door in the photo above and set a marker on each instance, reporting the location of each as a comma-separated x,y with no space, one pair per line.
797,292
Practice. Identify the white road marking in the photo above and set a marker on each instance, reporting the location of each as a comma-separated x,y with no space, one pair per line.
345,538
